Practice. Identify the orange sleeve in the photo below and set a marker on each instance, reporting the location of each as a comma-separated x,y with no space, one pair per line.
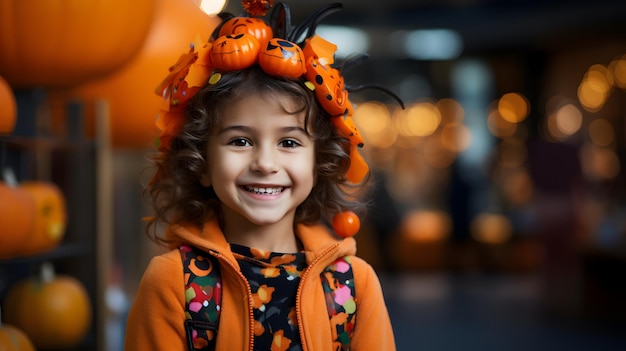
373,327
156,318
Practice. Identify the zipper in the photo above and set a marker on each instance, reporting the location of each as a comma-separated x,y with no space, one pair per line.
221,257
299,292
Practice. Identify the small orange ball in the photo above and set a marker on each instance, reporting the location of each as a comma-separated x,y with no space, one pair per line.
346,224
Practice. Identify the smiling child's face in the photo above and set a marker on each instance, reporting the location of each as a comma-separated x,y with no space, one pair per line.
260,161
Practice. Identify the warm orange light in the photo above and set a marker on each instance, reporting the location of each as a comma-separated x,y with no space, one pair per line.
374,121
513,107
568,119
426,225
618,68
421,119
595,88
491,228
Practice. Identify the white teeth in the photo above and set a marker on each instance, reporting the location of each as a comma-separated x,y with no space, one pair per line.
268,191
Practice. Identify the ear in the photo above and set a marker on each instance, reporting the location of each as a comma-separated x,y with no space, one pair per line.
205,180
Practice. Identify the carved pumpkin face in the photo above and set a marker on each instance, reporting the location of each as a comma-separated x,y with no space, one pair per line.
256,27
235,52
282,58
329,87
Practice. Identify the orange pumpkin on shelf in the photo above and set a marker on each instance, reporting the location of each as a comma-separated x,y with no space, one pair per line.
54,44
17,215
50,217
54,311
8,108
13,339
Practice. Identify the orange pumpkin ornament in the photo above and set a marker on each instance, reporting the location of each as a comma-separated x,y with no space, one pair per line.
8,108
346,224
13,339
235,52
56,44
256,27
282,58
54,311
17,209
50,217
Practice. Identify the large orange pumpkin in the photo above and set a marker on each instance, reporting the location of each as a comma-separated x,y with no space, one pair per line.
63,43
13,339
130,91
50,217
8,109
17,209
54,311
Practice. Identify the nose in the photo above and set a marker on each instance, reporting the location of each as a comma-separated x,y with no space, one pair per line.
265,160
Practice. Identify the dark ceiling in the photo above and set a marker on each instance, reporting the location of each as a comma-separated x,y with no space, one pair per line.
485,25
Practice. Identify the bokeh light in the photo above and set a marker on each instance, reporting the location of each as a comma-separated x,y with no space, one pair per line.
374,121
595,88
421,119
491,228
513,107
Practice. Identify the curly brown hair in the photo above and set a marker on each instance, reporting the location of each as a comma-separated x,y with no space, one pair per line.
175,190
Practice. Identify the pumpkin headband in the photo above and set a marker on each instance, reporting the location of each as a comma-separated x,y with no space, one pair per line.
239,42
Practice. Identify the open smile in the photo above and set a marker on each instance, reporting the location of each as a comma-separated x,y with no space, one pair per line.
264,190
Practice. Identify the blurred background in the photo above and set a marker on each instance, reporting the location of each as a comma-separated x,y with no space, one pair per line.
498,217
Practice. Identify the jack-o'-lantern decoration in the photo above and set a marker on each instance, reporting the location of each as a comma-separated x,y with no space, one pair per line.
50,217
282,58
235,52
256,27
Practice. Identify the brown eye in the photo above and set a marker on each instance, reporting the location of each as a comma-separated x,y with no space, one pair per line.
289,143
241,142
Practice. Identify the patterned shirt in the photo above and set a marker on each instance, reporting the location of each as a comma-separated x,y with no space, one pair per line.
274,279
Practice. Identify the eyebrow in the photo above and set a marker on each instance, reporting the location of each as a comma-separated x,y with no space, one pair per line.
248,129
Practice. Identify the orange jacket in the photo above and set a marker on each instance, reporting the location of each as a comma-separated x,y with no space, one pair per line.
156,319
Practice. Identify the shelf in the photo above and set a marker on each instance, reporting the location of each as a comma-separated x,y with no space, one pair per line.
45,142
61,252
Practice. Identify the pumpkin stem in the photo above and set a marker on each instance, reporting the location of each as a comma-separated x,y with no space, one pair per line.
47,272
9,177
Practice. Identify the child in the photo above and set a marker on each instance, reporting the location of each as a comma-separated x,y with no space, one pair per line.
251,164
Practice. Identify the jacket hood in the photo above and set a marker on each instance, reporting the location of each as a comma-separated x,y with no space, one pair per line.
316,239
